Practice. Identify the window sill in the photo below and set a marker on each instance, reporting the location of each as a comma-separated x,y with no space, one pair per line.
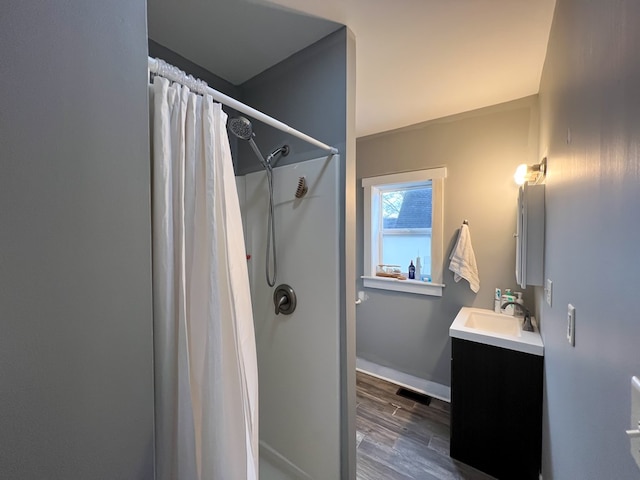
407,286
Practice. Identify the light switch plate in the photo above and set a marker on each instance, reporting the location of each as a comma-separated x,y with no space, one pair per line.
571,325
548,290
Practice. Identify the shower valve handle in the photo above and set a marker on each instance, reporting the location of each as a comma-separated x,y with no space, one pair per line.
282,302
284,299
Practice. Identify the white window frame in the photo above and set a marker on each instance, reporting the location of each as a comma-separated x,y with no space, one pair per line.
372,188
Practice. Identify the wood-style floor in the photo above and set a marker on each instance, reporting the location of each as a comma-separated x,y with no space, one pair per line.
400,439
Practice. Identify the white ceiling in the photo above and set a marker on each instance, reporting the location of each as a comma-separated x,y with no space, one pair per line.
416,60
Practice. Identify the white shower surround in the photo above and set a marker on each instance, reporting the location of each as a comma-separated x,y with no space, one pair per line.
298,354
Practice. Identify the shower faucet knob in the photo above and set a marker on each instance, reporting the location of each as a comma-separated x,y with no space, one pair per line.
284,299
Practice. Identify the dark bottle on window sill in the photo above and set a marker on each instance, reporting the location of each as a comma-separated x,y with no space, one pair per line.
412,271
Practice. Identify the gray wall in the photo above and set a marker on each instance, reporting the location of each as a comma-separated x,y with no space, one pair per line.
214,81
307,91
75,277
590,87
348,287
481,150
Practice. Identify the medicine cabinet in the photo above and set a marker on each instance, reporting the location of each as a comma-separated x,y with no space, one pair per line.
530,236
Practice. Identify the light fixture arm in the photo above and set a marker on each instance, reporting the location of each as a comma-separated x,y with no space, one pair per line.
531,173
541,167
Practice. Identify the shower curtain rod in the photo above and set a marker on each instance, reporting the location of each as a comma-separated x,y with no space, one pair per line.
162,68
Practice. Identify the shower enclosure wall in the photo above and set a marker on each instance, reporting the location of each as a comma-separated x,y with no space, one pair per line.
298,354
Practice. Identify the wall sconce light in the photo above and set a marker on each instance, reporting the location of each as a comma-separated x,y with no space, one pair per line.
531,173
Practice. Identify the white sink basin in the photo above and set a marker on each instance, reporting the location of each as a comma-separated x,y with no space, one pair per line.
486,326
494,322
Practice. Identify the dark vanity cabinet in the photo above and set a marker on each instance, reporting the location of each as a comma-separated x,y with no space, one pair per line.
496,409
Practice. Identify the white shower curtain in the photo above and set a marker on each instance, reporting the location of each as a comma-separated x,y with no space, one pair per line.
206,375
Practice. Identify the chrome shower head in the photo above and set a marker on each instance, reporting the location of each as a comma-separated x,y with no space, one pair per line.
241,127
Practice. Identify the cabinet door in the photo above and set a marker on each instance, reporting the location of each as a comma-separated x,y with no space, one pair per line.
521,242
530,235
496,410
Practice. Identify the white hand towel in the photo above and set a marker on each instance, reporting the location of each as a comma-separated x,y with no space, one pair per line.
463,260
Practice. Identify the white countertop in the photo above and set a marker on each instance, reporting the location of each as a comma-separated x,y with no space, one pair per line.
526,342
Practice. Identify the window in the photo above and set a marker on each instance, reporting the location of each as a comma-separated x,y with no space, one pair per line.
406,225
403,221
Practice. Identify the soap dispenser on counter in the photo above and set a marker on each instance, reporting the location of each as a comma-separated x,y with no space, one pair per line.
519,312
508,297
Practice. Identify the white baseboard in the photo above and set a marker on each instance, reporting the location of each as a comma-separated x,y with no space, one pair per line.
281,462
410,382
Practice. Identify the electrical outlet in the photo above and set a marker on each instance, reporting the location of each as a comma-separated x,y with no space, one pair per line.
547,290
571,325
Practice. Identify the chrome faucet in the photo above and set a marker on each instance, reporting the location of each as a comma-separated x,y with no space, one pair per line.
526,324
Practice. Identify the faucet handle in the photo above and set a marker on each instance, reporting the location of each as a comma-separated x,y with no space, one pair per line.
527,326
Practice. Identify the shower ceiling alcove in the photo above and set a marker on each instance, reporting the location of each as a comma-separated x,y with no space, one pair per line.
234,39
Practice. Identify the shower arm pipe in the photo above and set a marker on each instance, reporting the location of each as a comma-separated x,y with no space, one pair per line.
160,67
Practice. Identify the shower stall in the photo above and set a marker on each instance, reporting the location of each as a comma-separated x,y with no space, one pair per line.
293,223
296,369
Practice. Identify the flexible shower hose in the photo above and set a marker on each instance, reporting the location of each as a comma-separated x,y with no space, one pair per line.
271,235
